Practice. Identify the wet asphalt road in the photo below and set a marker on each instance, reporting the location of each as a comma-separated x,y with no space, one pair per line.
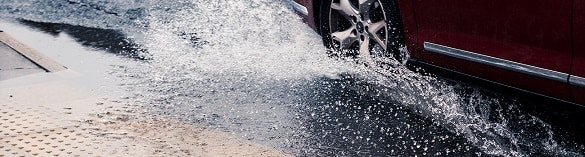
264,76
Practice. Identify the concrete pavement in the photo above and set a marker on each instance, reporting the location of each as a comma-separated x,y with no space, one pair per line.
42,113
17,59
13,64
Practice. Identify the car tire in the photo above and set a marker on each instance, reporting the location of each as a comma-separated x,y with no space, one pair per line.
370,31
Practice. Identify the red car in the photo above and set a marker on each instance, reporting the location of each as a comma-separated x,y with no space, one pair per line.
534,45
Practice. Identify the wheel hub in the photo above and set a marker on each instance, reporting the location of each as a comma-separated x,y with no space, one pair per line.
360,27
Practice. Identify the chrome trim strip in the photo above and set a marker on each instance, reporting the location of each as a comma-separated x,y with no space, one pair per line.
298,7
497,62
577,81
504,85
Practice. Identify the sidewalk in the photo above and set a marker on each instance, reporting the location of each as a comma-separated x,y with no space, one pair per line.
51,116
17,59
12,64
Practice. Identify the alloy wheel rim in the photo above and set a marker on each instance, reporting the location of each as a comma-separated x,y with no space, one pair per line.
359,26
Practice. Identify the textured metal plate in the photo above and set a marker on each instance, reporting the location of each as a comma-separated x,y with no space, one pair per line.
49,122
36,131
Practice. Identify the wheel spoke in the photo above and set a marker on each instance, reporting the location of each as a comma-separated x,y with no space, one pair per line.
345,38
364,8
373,28
365,52
373,32
379,40
345,8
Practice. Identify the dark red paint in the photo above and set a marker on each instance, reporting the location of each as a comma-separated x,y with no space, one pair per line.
578,68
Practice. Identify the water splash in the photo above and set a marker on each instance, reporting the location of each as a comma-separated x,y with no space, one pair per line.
487,120
252,68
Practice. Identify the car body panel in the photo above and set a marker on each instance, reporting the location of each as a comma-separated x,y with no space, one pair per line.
309,18
529,32
578,68
537,33
406,8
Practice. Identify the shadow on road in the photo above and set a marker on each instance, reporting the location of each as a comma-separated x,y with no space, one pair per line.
108,40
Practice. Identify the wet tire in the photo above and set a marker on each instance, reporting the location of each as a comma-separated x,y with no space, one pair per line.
370,30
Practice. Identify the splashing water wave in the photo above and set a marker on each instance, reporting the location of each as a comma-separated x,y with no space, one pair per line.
244,66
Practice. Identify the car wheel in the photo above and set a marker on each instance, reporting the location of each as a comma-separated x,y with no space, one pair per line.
367,29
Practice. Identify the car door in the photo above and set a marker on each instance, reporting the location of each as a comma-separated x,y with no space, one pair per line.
529,41
578,70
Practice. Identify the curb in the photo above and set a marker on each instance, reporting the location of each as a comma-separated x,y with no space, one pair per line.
36,57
